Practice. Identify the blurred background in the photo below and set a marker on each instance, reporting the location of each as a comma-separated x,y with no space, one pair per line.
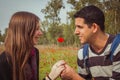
57,17
57,23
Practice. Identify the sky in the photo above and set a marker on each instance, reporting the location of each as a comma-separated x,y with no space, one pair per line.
9,7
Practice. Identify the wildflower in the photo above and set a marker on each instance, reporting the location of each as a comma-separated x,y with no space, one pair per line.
60,39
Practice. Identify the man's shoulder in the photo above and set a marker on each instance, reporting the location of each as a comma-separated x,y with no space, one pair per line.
80,52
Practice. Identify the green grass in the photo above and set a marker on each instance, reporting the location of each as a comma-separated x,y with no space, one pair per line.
51,54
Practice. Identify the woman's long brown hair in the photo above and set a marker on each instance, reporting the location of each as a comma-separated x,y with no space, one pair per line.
19,40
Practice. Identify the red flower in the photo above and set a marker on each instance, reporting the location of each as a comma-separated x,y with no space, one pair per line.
60,39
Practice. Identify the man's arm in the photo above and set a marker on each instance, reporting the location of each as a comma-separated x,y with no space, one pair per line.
116,67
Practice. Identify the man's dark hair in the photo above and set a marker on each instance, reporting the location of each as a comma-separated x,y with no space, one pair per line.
91,14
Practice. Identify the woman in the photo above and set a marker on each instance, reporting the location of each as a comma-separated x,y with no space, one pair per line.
20,60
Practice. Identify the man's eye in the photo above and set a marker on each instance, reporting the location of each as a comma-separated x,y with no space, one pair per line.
79,26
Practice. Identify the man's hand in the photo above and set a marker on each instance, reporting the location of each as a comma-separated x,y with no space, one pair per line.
69,74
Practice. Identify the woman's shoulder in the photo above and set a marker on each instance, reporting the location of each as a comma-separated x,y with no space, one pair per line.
5,67
37,51
5,60
3,57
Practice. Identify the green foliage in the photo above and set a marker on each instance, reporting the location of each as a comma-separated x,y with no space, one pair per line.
112,16
2,36
52,10
54,32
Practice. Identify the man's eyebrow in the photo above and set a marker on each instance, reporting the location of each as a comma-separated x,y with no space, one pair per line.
78,25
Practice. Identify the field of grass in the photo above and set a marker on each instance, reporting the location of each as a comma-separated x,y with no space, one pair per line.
51,54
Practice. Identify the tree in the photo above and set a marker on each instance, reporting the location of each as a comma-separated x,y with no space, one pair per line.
112,11
0,36
51,12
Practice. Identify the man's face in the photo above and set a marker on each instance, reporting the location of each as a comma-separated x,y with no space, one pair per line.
83,31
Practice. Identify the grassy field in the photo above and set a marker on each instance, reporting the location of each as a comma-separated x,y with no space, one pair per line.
51,54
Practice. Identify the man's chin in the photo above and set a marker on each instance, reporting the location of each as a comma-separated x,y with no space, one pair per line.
83,43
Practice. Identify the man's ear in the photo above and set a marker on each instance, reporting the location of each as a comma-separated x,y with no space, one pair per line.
95,27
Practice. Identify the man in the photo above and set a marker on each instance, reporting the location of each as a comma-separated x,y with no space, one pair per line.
89,22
